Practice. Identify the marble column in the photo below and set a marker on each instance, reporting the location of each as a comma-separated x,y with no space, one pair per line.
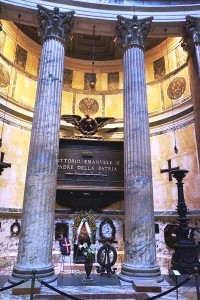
37,225
192,45
140,247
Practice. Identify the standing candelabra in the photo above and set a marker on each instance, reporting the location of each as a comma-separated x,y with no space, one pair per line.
185,258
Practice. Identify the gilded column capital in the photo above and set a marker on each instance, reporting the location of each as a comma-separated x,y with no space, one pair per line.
192,31
132,32
54,24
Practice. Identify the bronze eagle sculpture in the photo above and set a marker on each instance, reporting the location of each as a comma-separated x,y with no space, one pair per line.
87,125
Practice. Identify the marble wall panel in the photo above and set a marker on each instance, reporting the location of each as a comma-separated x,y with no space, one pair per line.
170,61
101,84
9,48
32,64
149,69
154,98
114,106
67,103
26,94
8,243
78,80
165,191
13,179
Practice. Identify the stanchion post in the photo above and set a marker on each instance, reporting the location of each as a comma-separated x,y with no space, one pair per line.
175,273
32,284
197,282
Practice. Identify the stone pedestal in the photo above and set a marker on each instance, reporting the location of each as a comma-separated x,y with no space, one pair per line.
148,286
140,247
36,235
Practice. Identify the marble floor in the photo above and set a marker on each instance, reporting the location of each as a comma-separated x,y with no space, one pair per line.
122,291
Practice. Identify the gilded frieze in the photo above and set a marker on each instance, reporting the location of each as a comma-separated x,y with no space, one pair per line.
20,57
2,40
159,68
4,76
87,77
67,79
113,81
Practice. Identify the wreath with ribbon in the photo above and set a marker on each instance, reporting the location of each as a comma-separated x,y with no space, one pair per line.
84,228
107,222
15,228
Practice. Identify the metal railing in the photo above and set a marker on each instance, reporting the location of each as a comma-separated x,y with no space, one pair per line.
34,278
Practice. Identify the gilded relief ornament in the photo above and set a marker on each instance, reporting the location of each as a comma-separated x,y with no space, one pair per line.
4,77
88,106
176,88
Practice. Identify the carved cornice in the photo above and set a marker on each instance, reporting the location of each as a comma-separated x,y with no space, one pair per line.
132,32
192,32
54,24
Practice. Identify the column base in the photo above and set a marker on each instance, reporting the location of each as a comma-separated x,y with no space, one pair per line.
47,274
129,273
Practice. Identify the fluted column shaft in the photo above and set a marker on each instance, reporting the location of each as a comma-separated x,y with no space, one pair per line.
192,45
36,236
140,248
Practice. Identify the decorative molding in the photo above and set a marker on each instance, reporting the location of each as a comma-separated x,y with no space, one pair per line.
171,128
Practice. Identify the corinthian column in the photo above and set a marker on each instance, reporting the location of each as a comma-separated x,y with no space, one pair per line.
140,247
192,45
36,236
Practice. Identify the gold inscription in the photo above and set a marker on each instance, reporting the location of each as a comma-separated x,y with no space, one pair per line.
88,165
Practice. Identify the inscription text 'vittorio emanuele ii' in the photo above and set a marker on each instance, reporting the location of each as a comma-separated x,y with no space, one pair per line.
90,163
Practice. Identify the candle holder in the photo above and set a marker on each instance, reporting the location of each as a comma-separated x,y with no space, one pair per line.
185,258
